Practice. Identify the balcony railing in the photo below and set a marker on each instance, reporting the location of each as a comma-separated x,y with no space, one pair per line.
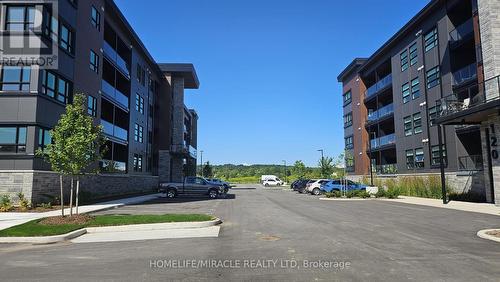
385,169
109,166
110,52
382,141
469,97
192,151
461,31
114,93
113,130
470,163
380,113
464,74
380,85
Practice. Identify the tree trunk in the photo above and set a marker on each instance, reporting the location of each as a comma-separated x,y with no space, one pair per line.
77,192
62,194
71,198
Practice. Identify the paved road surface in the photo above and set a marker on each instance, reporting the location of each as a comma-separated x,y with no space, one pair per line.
381,241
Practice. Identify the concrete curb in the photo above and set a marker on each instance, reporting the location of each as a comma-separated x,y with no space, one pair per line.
105,229
482,234
44,239
347,199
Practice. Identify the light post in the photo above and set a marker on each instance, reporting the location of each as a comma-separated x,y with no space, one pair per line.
201,163
370,149
286,178
321,150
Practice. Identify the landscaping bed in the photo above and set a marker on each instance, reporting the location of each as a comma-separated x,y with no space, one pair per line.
495,233
60,225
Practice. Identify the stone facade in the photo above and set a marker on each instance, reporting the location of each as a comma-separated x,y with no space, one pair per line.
489,21
43,186
488,148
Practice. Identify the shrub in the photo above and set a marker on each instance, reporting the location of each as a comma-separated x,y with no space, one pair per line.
363,194
24,204
392,193
380,193
5,203
45,205
334,194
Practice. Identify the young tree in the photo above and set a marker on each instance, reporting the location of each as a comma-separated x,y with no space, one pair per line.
207,170
326,166
75,147
299,169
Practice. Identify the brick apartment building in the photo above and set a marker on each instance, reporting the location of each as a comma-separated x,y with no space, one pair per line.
427,101
151,134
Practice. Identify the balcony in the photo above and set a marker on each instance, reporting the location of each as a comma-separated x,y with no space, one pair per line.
381,113
464,74
385,169
183,149
114,131
114,94
116,59
461,33
379,86
383,141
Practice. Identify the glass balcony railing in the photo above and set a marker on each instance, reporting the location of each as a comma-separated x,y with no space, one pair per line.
380,85
192,151
464,74
114,93
109,166
110,52
113,130
470,163
380,113
462,31
383,141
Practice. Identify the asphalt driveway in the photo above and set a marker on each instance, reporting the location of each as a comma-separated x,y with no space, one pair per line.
281,235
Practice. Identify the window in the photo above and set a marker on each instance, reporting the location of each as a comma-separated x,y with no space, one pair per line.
50,26
12,140
141,75
44,138
55,86
435,155
430,40
139,103
415,88
419,158
433,114
348,120
349,142
433,77
20,18
349,163
15,78
417,123
92,106
410,159
413,54
94,62
66,38
404,60
137,162
405,89
347,98
95,18
408,126
138,133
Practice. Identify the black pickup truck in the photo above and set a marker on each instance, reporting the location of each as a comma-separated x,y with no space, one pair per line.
191,186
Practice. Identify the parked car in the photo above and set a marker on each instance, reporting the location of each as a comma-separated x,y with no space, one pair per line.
336,185
191,186
272,182
269,177
302,187
299,183
224,184
315,187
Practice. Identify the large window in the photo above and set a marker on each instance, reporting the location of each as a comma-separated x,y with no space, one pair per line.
137,162
347,97
404,60
12,139
430,39
139,103
349,163
348,120
413,54
94,62
66,38
15,78
436,160
408,125
415,88
92,106
20,18
433,114
141,75
410,159
55,86
417,123
95,18
44,138
349,144
405,90
433,77
138,133
419,158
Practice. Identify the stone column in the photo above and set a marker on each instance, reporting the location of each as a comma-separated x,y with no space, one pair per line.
164,166
489,25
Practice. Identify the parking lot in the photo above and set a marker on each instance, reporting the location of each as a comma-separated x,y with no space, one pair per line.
381,241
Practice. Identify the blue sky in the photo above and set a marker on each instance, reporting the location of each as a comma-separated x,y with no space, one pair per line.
267,68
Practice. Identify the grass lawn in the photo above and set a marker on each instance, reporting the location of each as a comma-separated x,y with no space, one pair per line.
35,228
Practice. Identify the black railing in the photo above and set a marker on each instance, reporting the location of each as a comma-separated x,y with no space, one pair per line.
471,96
470,163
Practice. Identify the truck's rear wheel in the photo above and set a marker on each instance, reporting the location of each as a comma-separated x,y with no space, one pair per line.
171,193
213,194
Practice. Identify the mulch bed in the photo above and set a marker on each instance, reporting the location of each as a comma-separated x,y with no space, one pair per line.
79,219
495,233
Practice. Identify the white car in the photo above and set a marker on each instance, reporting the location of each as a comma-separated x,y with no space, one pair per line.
272,182
314,187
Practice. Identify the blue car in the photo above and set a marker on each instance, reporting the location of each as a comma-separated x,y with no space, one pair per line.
335,185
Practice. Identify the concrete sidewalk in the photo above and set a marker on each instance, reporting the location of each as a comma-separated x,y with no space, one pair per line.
10,219
454,205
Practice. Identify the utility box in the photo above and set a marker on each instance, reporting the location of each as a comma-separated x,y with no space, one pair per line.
372,190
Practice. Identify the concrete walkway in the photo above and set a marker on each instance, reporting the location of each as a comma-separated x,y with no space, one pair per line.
454,205
10,219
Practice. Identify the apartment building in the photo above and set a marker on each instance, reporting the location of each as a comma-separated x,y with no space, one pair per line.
150,133
417,95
